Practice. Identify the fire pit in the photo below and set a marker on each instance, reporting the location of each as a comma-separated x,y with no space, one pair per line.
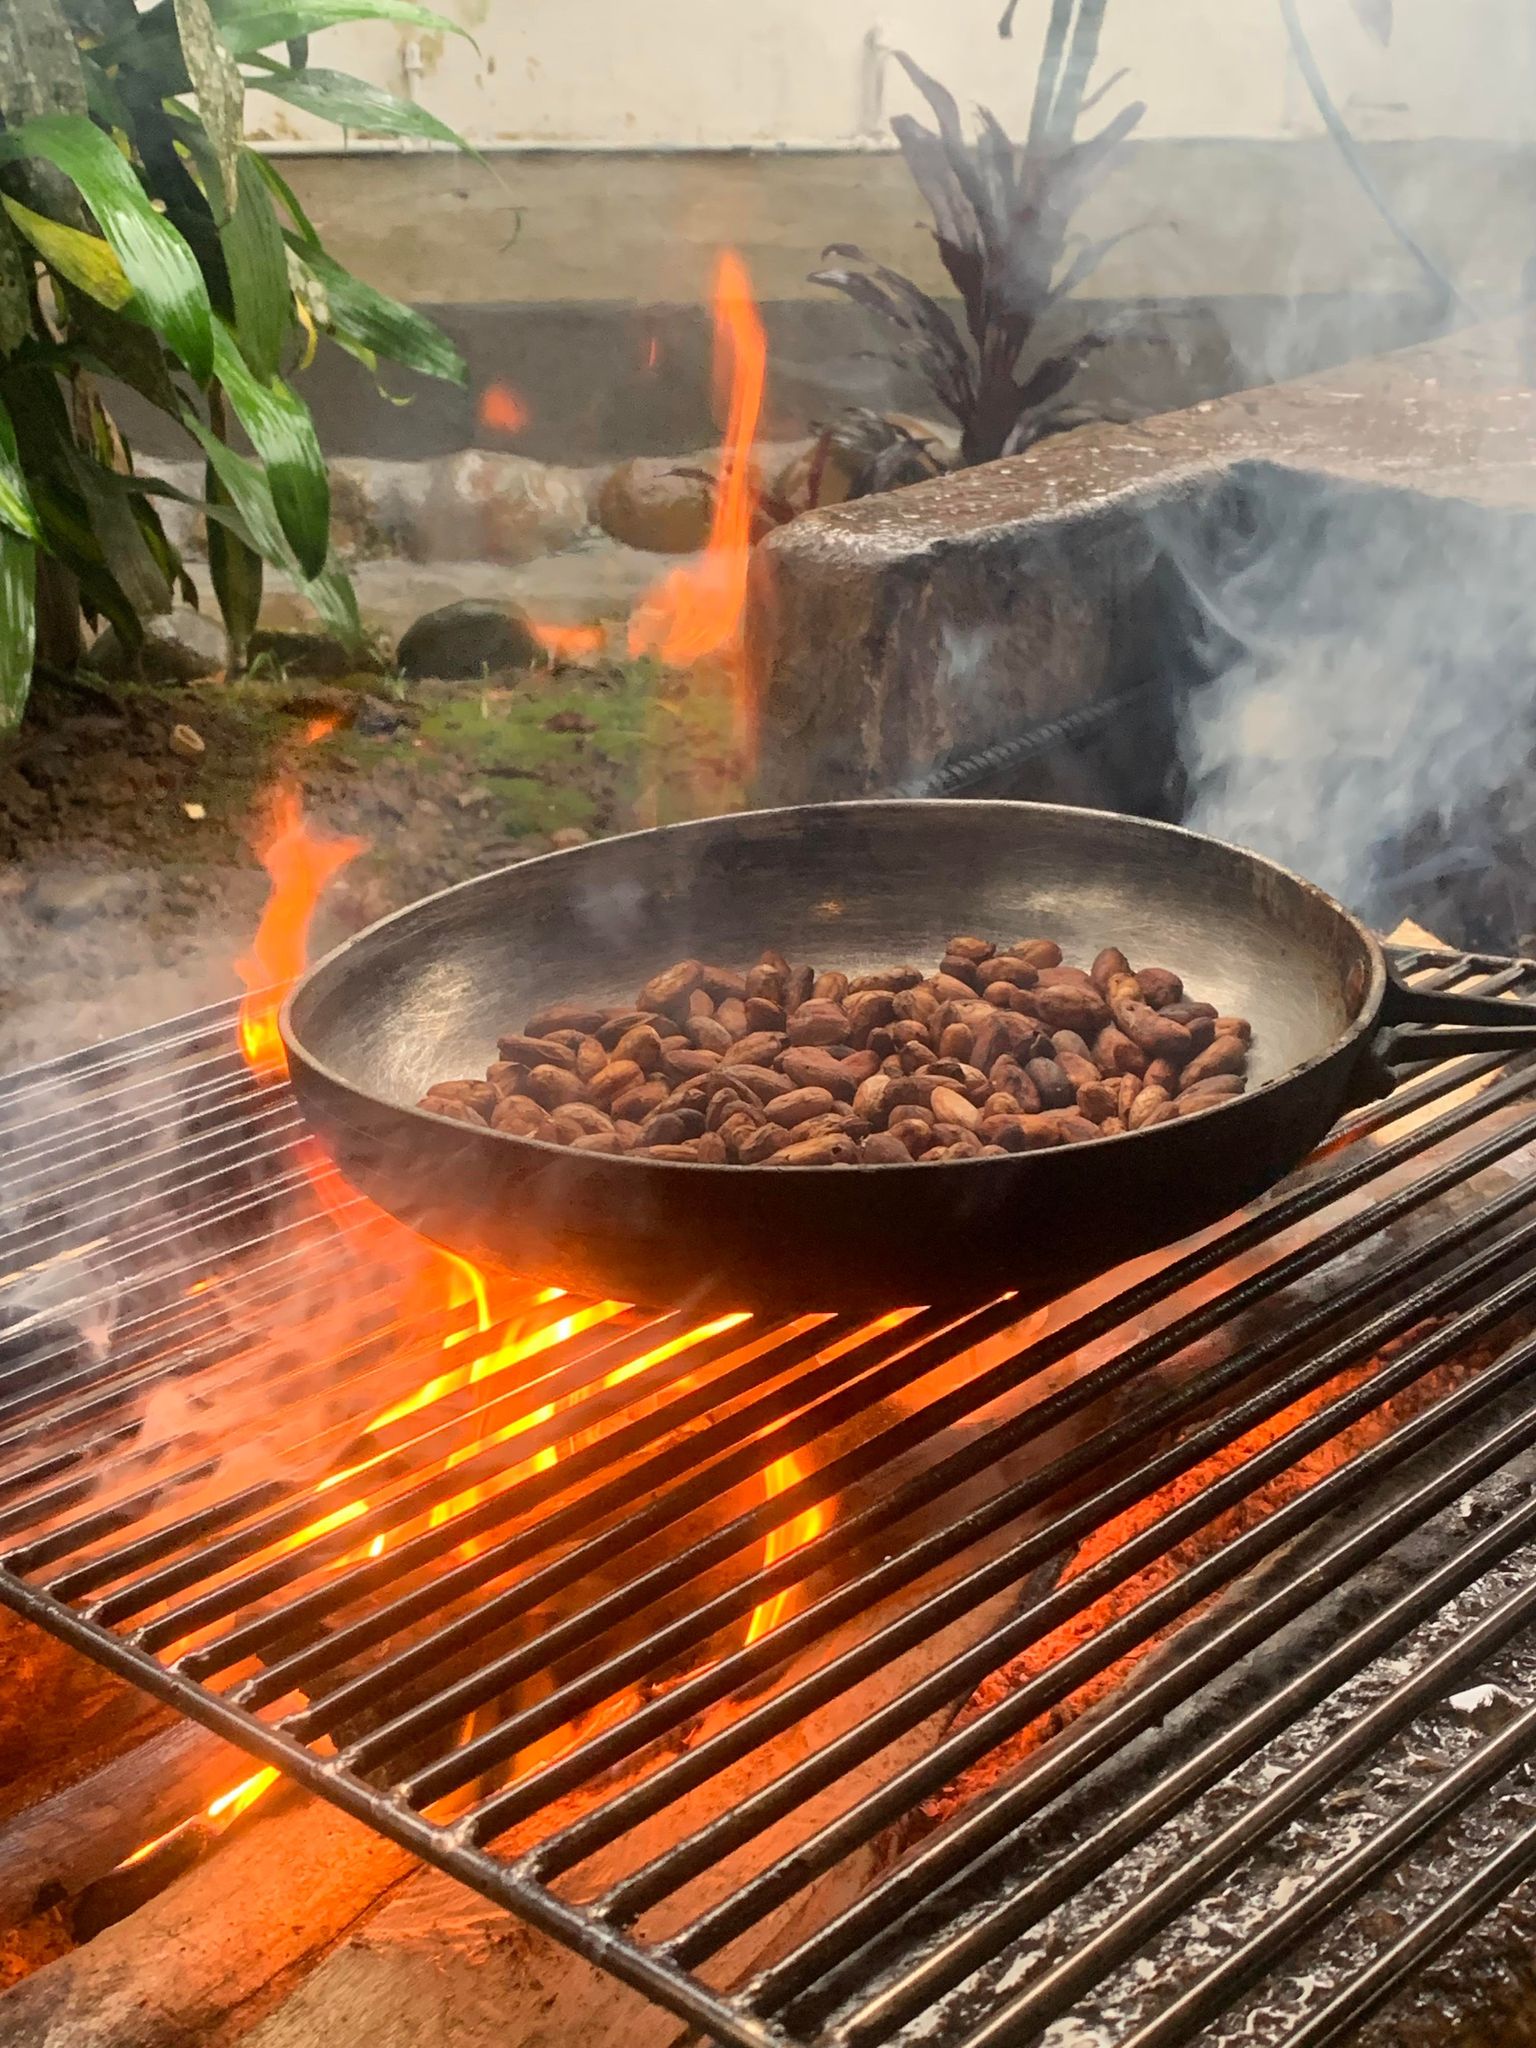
1154,1662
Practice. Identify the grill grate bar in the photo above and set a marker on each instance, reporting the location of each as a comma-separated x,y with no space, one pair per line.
1038,1619
980,1846
548,1630
379,1623
566,1847
1347,1878
183,1558
34,1390
67,1135
662,1510
211,1026
1435,1932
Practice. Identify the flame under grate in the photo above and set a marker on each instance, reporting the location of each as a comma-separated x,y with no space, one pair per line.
1086,1678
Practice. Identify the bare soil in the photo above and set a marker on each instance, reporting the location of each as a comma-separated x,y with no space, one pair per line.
129,880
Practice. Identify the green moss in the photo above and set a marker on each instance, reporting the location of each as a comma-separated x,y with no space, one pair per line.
627,744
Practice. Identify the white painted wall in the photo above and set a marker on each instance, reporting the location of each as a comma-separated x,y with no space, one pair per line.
722,73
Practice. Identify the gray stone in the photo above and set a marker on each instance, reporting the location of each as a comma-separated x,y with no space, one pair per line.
376,718
472,638
499,508
597,579
378,507
662,506
180,646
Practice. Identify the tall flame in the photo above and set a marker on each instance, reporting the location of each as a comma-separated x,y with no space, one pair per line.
300,862
697,609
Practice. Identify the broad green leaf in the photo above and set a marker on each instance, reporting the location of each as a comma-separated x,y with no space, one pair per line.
220,90
246,27
335,601
236,569
354,103
282,191
330,592
115,345
18,625
257,257
283,435
17,512
107,105
377,322
167,282
83,260
370,363
251,25
124,550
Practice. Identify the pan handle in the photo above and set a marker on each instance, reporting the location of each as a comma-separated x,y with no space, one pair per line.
1478,1024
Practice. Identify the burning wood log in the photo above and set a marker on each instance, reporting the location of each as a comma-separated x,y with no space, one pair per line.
60,1714
53,1850
274,1895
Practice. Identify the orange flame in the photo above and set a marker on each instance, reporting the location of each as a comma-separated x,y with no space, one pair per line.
652,353
808,1524
300,862
226,1809
697,609
501,410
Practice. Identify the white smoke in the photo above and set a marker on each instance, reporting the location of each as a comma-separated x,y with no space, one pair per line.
1372,666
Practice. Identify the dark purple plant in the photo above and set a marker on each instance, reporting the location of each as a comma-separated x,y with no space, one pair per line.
1002,214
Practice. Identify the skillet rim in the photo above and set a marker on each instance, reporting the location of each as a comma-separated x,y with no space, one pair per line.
1366,1019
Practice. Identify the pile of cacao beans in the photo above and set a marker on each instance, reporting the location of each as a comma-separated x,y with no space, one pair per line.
1003,1049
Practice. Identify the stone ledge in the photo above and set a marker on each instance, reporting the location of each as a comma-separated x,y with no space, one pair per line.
888,633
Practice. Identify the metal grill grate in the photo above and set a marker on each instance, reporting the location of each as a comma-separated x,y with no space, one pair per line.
668,1636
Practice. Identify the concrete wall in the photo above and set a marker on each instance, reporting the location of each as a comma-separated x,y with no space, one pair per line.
710,73
626,144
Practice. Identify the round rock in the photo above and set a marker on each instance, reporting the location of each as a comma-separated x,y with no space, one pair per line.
654,504
472,638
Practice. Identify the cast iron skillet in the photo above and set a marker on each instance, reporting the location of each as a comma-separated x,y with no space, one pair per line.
423,995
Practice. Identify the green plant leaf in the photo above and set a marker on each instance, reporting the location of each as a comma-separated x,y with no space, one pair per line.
370,363
167,283
220,90
83,260
284,193
236,570
247,27
125,551
246,488
375,321
251,25
354,103
160,545
115,345
257,257
17,512
283,435
18,625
